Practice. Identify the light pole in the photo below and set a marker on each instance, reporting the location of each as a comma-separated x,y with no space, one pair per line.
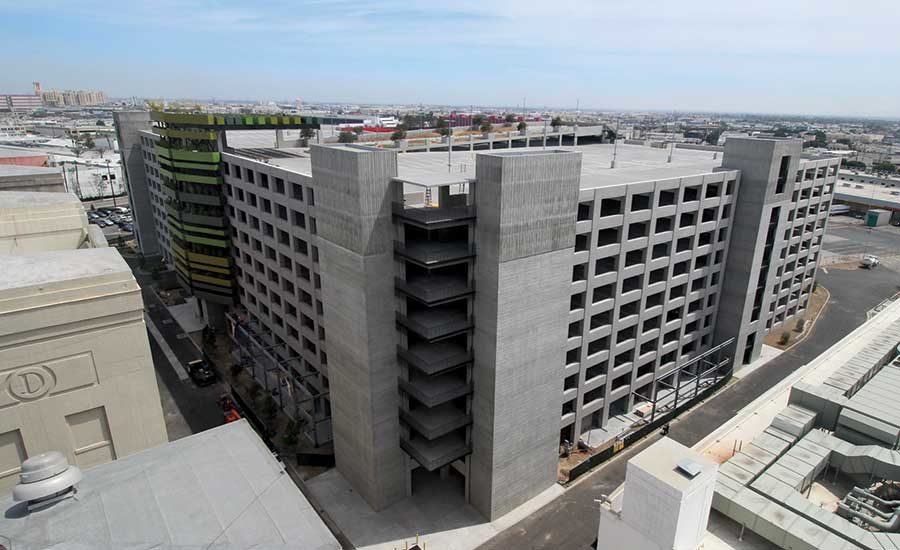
112,188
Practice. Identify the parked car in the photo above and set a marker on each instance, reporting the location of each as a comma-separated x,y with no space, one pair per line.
109,223
128,227
200,373
870,262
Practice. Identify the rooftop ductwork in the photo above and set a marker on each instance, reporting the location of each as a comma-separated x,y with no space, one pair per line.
46,479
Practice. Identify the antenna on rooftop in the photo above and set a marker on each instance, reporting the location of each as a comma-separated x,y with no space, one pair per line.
577,115
612,163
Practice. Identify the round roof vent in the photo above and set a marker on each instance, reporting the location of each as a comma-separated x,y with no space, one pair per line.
46,476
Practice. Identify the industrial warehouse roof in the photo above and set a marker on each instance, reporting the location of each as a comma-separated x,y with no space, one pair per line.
873,194
13,152
17,170
634,163
220,488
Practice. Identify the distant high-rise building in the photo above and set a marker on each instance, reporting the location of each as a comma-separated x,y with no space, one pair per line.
66,98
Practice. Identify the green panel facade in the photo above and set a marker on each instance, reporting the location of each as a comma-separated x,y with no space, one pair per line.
189,153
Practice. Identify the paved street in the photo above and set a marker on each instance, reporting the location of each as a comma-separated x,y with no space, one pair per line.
571,520
188,409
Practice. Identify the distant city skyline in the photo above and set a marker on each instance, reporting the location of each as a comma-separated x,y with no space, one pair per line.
822,58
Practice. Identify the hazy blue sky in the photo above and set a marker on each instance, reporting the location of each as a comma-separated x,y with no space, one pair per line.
797,56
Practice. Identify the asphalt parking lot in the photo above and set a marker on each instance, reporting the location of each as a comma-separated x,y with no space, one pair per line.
571,521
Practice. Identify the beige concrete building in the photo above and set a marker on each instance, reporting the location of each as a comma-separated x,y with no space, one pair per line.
76,374
40,222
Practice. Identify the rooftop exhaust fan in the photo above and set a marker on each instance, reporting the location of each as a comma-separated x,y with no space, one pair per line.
45,479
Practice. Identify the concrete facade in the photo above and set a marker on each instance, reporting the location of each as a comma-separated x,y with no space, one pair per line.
418,310
129,126
646,273
357,267
67,305
784,203
525,231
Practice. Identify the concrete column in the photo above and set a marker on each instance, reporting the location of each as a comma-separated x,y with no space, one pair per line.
279,139
471,142
357,266
759,162
525,236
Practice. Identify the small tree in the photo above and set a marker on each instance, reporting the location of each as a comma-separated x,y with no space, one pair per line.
785,338
522,126
253,390
486,127
884,167
235,370
556,123
307,134
347,137
398,135
477,120
508,119
443,127
270,407
358,130
88,141
291,433
801,322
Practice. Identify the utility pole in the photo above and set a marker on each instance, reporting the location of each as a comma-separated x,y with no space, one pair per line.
577,116
612,164
112,188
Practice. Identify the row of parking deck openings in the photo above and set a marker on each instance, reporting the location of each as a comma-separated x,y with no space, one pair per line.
643,201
